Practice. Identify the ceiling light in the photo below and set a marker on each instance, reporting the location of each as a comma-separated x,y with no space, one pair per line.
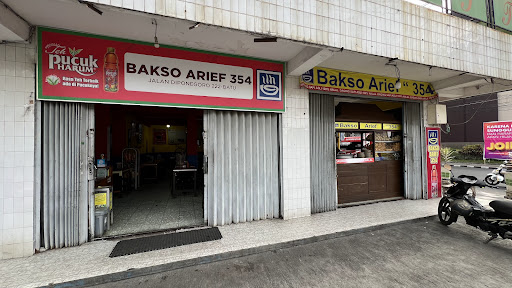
265,39
194,26
153,21
398,85
92,7
168,126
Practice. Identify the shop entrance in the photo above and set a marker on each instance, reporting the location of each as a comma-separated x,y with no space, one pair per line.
369,155
151,158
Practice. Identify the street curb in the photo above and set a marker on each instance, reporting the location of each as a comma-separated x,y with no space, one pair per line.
473,166
138,272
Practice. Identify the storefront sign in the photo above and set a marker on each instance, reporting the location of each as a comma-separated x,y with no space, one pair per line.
433,163
330,80
88,68
472,8
391,126
371,126
355,160
498,140
503,13
347,125
351,139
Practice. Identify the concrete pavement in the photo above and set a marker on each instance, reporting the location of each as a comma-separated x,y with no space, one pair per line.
421,253
89,264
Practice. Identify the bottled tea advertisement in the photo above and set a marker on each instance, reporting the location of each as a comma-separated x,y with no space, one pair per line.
433,162
498,140
81,67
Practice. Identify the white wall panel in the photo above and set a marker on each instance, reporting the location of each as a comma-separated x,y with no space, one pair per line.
17,88
385,28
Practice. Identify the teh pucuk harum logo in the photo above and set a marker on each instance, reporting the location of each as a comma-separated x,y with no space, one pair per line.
52,79
269,85
85,66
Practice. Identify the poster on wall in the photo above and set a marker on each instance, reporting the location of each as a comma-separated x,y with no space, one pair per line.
82,67
433,163
498,140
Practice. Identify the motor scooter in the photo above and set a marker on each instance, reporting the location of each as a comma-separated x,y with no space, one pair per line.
496,176
456,202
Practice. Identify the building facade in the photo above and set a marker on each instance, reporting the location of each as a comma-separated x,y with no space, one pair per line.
328,108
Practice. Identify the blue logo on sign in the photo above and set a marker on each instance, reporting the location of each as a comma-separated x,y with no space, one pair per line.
269,85
432,138
308,77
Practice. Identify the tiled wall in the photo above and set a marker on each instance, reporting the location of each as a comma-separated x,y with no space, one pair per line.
505,106
17,87
296,178
390,28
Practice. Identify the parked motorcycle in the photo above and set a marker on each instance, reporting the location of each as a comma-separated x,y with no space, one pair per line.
457,202
496,176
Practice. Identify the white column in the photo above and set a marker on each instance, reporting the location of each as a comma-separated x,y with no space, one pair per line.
17,96
296,174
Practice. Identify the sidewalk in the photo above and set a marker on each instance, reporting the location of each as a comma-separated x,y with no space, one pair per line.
89,264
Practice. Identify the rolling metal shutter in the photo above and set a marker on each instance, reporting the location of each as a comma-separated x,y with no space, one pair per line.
63,178
323,150
242,176
413,149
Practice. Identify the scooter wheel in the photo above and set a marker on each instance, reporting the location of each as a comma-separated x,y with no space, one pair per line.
445,212
489,180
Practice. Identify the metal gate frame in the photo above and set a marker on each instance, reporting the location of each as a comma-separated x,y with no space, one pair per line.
414,145
234,145
62,183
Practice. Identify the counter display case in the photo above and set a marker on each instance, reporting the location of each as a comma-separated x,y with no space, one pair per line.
354,147
388,145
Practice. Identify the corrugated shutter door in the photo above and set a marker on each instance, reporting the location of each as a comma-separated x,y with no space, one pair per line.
64,201
413,150
323,149
242,177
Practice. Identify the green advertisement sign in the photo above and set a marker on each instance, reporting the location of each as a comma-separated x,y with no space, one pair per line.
472,8
435,2
503,14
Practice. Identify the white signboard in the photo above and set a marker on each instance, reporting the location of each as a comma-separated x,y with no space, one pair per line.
144,73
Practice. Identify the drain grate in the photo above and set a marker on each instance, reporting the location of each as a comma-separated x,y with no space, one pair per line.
158,242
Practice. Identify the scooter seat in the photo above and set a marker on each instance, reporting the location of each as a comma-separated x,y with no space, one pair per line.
503,208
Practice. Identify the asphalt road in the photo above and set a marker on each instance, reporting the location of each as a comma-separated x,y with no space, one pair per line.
477,172
415,254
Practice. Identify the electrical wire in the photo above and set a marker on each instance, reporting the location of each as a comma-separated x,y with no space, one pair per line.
473,103
476,111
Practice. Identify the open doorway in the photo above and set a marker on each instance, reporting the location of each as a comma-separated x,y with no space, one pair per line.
152,157
369,150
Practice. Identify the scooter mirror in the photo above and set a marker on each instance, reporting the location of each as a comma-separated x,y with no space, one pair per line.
448,167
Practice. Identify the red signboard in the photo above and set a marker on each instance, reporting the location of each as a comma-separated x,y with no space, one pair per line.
433,162
355,160
89,68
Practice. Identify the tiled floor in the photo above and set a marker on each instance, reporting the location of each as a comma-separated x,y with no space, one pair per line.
152,208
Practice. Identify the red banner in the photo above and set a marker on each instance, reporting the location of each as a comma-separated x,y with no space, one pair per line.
433,163
88,68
